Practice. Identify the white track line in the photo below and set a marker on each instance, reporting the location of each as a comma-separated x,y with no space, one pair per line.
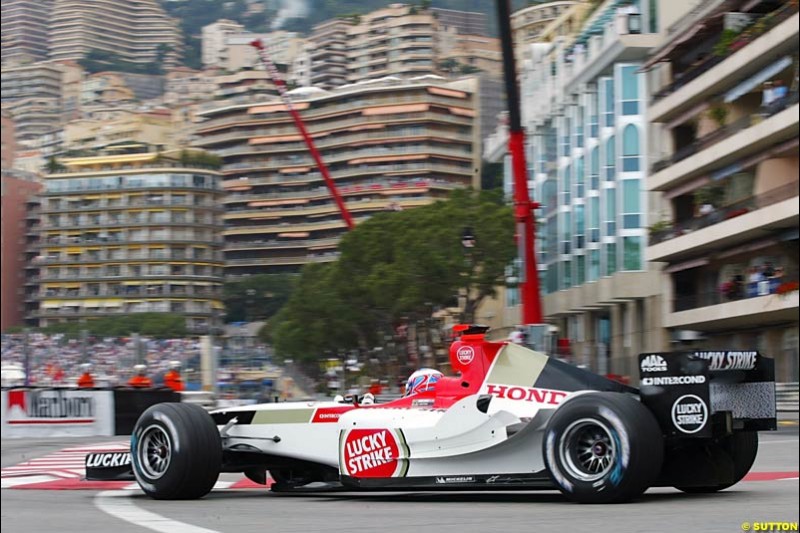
119,505
8,483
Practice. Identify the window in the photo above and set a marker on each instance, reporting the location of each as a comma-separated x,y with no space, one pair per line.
608,111
611,156
579,182
632,253
611,212
594,169
552,278
580,274
594,126
566,280
630,149
566,186
594,219
580,226
630,204
594,265
630,91
611,258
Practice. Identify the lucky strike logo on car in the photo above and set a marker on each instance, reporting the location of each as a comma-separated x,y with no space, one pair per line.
465,355
370,453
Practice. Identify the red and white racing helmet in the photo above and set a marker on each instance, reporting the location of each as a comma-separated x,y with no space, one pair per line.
422,380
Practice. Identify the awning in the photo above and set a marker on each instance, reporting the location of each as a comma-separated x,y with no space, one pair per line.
92,303
51,304
129,283
686,265
686,115
217,305
113,303
746,248
754,81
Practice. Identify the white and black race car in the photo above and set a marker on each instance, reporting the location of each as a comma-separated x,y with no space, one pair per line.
513,418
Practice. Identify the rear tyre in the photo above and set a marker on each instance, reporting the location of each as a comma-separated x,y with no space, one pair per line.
741,447
603,447
176,452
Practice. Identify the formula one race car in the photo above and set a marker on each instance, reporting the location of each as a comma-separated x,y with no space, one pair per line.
512,419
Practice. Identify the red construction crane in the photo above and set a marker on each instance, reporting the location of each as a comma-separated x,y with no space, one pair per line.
523,207
277,80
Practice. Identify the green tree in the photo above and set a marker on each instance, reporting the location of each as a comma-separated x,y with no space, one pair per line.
257,297
394,269
159,325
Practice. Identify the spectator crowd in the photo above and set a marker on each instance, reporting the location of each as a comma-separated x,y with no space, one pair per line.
756,281
55,360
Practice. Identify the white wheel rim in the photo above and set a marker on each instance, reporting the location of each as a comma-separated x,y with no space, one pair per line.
155,451
587,450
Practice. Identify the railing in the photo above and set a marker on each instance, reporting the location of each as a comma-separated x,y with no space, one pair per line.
57,208
770,21
728,212
105,168
135,292
297,243
725,131
51,260
361,187
708,298
787,396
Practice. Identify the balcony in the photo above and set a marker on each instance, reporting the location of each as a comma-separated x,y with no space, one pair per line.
710,310
759,137
737,223
725,132
718,73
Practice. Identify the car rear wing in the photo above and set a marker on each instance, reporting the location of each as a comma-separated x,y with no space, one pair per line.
702,393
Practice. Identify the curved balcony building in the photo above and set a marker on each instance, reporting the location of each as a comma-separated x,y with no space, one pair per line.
390,144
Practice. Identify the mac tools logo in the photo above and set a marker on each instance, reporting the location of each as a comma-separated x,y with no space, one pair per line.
654,363
465,355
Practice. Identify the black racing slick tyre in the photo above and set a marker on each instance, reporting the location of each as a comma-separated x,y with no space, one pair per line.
603,447
741,447
176,452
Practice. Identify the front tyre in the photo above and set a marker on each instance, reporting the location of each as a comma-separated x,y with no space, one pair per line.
176,452
603,447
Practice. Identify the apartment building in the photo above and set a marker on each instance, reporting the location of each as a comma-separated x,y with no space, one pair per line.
8,147
186,86
137,31
114,127
123,234
728,231
584,103
468,54
214,37
328,53
34,80
391,144
397,40
16,189
282,46
463,22
527,24
24,30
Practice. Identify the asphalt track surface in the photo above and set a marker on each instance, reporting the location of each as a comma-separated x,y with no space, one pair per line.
245,511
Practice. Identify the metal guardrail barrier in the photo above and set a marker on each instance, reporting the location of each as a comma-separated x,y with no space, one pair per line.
787,397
